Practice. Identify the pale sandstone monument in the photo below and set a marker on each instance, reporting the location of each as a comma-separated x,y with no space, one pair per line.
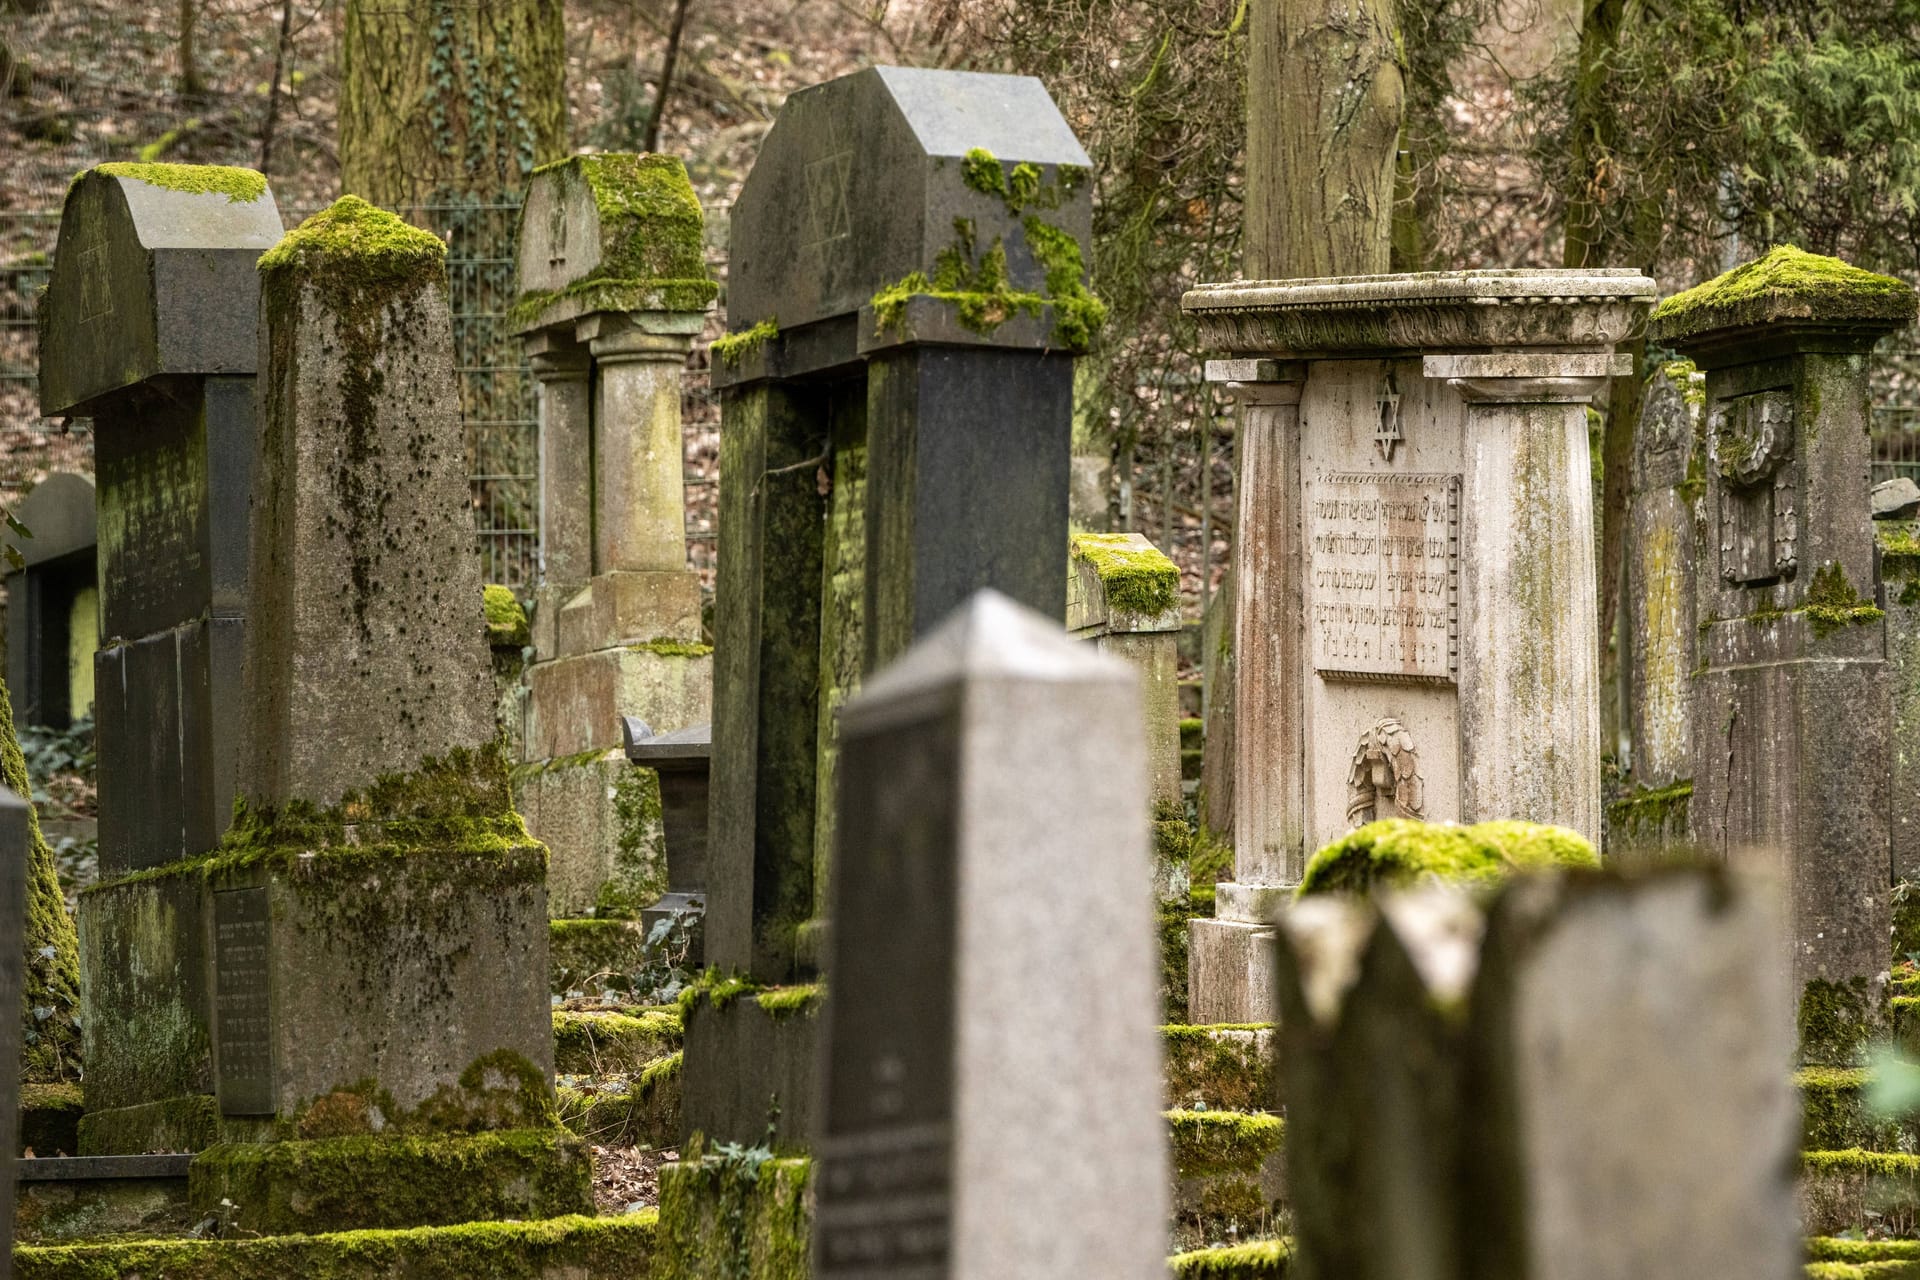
1415,631
1123,598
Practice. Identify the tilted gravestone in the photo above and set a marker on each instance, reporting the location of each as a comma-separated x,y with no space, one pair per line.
53,603
1414,568
149,326
995,755
907,290
614,289
1791,701
1554,1086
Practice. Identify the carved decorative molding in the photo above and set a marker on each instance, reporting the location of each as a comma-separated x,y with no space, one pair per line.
1385,772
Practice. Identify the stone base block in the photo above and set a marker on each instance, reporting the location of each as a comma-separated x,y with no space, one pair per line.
1230,972
591,957
599,817
188,1123
750,1060
1228,1068
575,704
1229,1176
58,1210
645,1114
1852,1191
718,1222
569,1248
629,608
344,1184
613,1043
50,1119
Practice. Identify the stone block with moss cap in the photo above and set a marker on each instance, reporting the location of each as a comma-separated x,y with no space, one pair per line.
1792,696
1123,596
1398,853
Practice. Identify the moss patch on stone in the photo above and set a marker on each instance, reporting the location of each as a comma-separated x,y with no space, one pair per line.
730,349
50,1119
1078,316
1209,1143
1137,579
787,1002
1397,852
1832,602
506,621
1786,284
735,1213
612,1042
189,1123
1221,1068
578,950
1256,1260
239,186
1652,810
364,244
646,1114
570,1245
1837,1020
670,648
50,976
1834,1113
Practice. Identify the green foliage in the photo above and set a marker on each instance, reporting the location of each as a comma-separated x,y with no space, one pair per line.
1398,852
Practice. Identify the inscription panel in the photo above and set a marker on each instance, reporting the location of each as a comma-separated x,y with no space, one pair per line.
1383,575
242,1014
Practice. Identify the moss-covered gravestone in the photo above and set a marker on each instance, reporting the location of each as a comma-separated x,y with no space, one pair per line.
1791,710
907,292
1123,596
614,288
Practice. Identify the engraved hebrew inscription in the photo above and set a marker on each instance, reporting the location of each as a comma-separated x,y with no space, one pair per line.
243,1018
1383,575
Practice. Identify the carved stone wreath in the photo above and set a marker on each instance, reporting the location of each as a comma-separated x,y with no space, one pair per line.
1385,766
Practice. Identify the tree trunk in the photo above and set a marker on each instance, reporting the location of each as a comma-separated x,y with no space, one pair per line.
449,97
1324,102
190,85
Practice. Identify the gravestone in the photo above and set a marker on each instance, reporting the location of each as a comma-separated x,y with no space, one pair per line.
1123,597
1669,459
613,290
1898,540
993,756
1585,1079
1792,704
53,604
13,924
149,326
681,760
1414,568
907,292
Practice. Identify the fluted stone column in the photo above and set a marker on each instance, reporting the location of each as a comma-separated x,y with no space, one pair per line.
639,489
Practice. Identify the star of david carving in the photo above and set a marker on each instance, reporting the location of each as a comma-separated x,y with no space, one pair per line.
1387,434
827,196
96,299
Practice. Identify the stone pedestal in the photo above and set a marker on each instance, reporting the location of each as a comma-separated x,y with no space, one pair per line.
1414,576
614,289
1123,597
1791,699
907,291
680,760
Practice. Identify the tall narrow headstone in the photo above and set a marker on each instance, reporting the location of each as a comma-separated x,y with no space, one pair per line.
907,291
1792,706
14,839
1123,597
614,288
1414,568
150,326
995,755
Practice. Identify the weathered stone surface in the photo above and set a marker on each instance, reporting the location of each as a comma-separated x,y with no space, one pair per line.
1899,544
53,603
994,754
1123,595
1895,499
626,608
575,704
15,814
600,819
768,1090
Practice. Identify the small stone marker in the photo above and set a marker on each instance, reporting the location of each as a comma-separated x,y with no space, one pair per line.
1587,1081
907,290
13,925
1792,703
681,759
1123,596
996,754
53,603
1414,567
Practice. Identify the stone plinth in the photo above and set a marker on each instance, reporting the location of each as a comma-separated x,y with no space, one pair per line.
907,290
1123,596
1414,567
681,761
614,288
1791,699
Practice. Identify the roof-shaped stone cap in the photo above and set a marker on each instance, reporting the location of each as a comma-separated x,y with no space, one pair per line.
1787,286
1422,311
688,747
957,186
610,232
988,638
59,515
152,274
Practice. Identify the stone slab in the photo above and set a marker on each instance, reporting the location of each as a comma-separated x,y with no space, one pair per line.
1230,971
751,1070
576,704
629,608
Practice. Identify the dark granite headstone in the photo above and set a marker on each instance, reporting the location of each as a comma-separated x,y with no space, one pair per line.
996,755
13,924
907,290
53,606
681,759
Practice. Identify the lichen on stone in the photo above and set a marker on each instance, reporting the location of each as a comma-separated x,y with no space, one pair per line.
1397,852
1786,284
729,349
1136,579
1832,602
239,186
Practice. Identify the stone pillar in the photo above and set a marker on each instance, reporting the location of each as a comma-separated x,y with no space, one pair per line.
1123,597
1792,706
149,327
1414,630
614,288
994,755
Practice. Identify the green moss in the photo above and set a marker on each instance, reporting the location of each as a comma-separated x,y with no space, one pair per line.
50,1119
614,293
785,1002
506,620
716,988
731,348
646,1115
1192,732
1786,284
1833,603
1211,861
982,171
578,950
668,648
612,1042
1137,579
977,287
188,1123
359,242
639,857
1225,1068
1401,851
1652,810
1831,1249
1837,1020
50,975
1210,1143
1834,1113
733,1216
1257,1260
1078,316
239,186
1886,1164
571,1246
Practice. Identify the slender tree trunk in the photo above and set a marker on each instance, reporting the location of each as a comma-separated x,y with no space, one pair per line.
190,85
273,88
449,97
667,62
